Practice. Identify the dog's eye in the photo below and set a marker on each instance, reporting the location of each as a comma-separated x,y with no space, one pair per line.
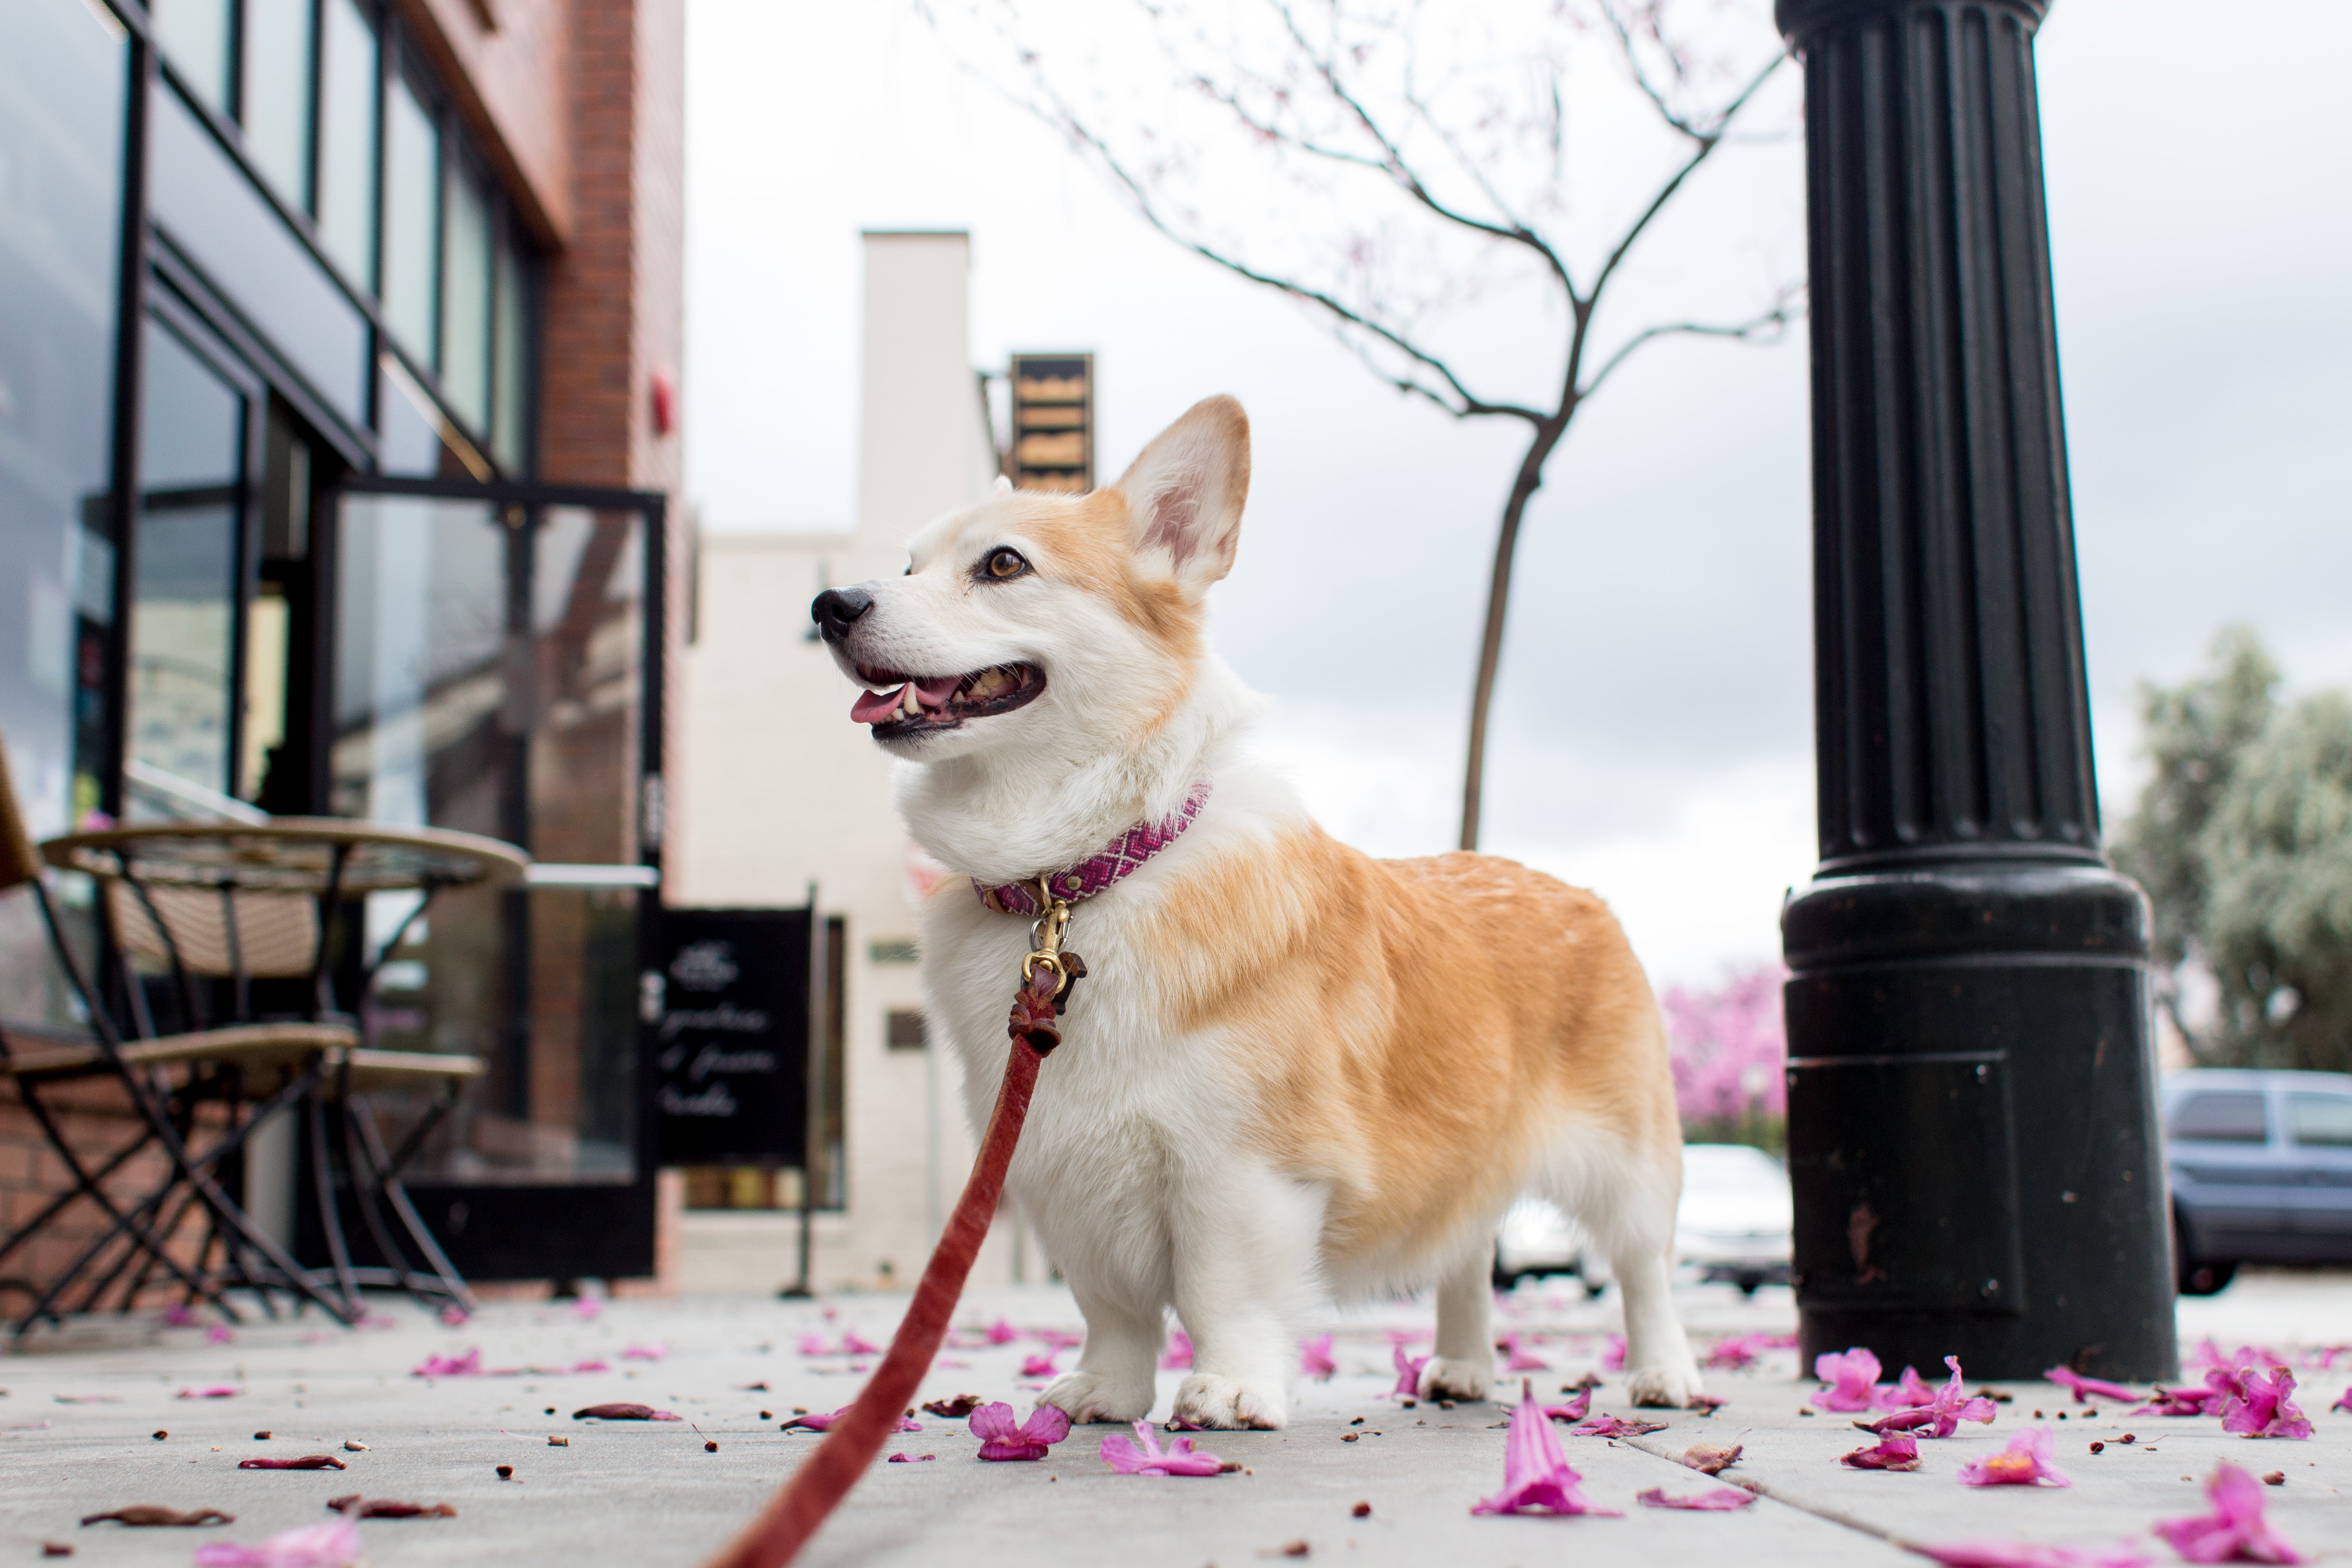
1004,563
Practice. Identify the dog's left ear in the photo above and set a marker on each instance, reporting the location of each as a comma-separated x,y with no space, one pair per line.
1185,494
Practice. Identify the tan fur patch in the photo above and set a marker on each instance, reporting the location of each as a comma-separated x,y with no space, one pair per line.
1414,1028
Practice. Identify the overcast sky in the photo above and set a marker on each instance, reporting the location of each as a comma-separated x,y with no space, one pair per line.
1652,724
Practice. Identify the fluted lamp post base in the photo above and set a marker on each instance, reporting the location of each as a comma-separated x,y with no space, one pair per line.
1971,1094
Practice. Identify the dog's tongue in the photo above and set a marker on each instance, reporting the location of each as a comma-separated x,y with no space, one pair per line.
873,707
876,707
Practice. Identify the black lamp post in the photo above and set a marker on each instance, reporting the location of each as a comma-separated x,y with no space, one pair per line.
1971,1108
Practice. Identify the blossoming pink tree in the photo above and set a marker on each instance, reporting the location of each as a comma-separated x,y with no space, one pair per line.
1730,1055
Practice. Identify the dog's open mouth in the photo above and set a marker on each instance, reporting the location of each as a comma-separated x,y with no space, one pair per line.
899,704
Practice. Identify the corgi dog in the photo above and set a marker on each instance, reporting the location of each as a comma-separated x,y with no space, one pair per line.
1294,1072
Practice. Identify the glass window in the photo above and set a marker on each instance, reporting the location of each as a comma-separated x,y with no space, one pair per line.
347,88
489,677
2324,1120
510,379
185,586
62,86
2222,1116
465,295
274,83
412,222
212,213
195,39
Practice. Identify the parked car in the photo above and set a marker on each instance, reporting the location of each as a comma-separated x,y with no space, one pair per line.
1733,1225
2260,1164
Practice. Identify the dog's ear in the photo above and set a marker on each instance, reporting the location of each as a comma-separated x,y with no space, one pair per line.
1185,494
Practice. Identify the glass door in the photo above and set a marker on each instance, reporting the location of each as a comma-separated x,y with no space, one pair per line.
199,446
497,658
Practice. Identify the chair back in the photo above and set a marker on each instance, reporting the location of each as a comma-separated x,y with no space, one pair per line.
216,931
18,862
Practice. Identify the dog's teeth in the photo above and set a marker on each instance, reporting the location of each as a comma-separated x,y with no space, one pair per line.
911,704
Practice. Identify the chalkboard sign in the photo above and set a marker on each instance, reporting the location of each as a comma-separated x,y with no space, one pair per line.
730,1031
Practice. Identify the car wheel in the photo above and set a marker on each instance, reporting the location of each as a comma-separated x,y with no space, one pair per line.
2206,1278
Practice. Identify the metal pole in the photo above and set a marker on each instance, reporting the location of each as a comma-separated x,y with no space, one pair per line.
813,1118
1971,1117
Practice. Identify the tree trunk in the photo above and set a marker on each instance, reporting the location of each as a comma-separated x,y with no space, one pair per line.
1499,602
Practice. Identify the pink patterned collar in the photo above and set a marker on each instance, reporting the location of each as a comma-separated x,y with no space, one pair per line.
1089,877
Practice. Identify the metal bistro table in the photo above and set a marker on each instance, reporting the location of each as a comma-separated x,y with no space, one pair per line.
229,903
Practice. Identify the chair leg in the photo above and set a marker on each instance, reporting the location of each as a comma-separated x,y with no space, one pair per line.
322,1175
396,1193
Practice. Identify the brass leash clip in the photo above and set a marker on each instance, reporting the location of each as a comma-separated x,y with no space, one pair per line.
1046,936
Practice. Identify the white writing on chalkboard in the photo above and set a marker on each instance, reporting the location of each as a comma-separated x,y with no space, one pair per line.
715,1100
726,1018
715,1058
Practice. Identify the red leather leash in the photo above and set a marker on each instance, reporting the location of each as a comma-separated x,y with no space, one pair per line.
824,1478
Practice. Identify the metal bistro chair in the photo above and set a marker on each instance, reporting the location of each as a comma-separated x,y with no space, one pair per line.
234,903
253,1071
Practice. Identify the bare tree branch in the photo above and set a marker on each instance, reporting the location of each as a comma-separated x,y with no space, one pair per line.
1766,327
1470,403
1275,119
1401,172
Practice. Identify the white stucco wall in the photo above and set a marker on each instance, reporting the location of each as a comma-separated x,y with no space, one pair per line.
781,789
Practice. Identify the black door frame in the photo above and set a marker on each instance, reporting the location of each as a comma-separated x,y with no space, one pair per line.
552,1230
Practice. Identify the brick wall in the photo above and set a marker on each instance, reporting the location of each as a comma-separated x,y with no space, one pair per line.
97,1119
513,84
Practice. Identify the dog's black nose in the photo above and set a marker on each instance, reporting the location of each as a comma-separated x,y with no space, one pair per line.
837,609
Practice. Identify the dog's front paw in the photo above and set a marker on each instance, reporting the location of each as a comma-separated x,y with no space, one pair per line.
1228,1403
1445,1378
1666,1388
1085,1396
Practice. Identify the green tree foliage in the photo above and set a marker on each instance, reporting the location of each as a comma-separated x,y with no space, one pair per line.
2244,841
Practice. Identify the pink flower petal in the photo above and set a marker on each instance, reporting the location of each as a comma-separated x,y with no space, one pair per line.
1314,1359
1408,1370
2259,1405
1888,1454
813,1345
210,1390
333,1545
1177,1356
1614,1427
854,1343
1002,1439
2034,1554
1537,1477
1039,1366
2235,1532
1520,1358
1721,1498
1001,1333
466,1365
2025,1463
1945,1410
2344,1400
2084,1387
1145,1456
220,1334
654,1351
1578,1407
1851,1377
1612,1358
1907,1394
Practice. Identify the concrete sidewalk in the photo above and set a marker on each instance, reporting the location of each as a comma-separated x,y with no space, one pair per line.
78,1436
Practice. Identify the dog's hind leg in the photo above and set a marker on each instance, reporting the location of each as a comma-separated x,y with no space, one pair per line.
1624,1198
1463,1365
1113,1379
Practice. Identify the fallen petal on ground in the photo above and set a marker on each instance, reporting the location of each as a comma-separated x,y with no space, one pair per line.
334,1544
1721,1499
